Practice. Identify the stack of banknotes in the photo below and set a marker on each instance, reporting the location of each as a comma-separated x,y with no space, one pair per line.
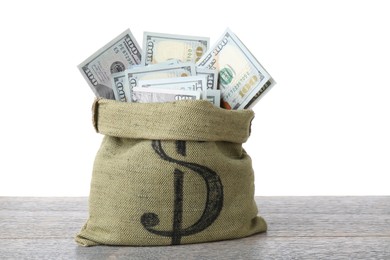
177,67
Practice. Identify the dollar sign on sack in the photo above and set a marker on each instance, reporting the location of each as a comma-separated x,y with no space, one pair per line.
213,204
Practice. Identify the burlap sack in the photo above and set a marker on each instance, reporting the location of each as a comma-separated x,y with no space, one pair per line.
170,173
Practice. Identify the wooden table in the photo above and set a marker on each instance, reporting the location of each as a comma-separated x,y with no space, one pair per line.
299,228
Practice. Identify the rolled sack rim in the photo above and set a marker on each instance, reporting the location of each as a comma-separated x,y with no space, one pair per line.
189,120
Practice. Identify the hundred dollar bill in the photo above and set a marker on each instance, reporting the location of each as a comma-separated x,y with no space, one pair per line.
214,96
212,77
196,83
170,62
242,79
152,95
159,47
158,71
120,86
118,55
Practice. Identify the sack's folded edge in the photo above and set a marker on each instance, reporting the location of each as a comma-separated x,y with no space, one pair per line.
191,120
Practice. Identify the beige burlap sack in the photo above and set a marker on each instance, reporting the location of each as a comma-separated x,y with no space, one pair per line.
170,173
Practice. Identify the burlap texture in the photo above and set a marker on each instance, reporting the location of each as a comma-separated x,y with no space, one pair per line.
170,173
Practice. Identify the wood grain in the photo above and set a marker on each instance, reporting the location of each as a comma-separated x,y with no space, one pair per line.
299,228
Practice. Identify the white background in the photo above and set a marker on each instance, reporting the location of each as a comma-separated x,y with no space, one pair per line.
324,129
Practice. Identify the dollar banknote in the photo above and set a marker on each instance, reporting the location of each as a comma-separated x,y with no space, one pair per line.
120,86
214,96
117,55
153,95
196,83
159,72
159,47
169,62
242,79
212,77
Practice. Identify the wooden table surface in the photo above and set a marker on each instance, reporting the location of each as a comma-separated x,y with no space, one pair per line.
299,228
